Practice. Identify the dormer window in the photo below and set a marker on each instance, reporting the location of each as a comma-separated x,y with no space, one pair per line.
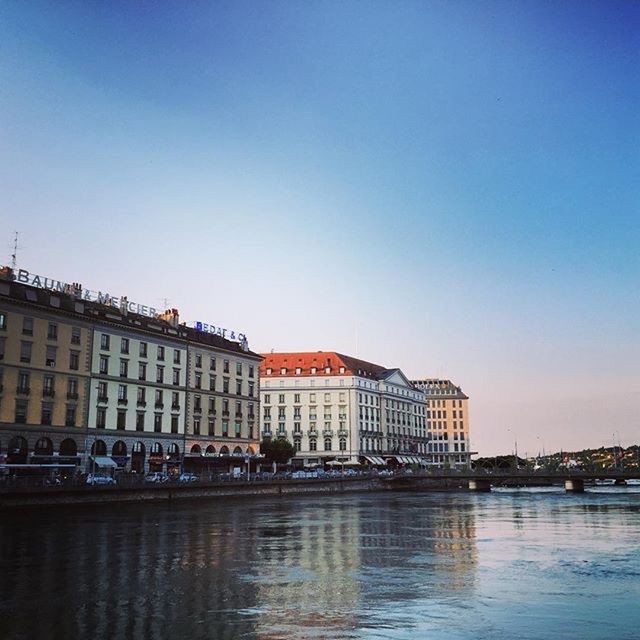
341,369
268,372
313,370
327,370
298,371
283,371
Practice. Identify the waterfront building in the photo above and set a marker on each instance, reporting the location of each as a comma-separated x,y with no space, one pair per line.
87,378
222,399
45,354
447,421
336,408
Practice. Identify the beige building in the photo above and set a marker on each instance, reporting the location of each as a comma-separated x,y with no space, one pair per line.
45,347
447,421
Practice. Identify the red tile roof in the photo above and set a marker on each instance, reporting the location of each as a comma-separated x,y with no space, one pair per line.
321,360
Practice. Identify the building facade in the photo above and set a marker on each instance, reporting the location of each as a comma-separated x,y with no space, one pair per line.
333,407
447,421
94,385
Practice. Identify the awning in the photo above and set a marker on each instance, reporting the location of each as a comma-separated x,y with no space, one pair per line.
104,461
374,460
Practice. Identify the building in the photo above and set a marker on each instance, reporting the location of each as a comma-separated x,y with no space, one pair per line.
88,379
336,408
447,421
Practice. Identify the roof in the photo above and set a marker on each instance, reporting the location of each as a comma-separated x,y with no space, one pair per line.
325,363
440,387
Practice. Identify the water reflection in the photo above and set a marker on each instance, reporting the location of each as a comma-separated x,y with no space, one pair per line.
361,566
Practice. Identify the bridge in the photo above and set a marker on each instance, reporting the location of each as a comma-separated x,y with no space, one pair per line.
482,480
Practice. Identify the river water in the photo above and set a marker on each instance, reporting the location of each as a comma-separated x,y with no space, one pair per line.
525,564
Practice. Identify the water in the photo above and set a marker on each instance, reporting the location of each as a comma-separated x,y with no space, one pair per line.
523,564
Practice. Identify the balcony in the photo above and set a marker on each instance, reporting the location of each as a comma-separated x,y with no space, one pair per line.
313,416
213,412
72,395
48,393
327,432
103,398
159,405
239,414
142,403
175,407
225,414
312,433
197,409
343,433
24,391
123,401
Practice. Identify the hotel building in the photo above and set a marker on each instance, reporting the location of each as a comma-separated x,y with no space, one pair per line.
447,421
333,407
90,382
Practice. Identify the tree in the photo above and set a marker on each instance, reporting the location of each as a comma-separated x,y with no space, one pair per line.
278,450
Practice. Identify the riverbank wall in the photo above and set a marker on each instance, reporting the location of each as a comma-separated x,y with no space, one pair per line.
87,496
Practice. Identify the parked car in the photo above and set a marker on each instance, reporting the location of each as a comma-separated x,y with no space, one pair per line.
157,477
94,479
188,477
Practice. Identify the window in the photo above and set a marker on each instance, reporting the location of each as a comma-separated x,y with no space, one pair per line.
225,385
157,423
251,389
47,412
104,341
238,368
327,444
47,386
143,350
197,403
70,416
25,351
225,367
74,360
174,424
140,421
175,400
212,364
238,387
3,321
225,428
212,427
238,426
104,365
142,371
52,331
267,398
176,376
298,371
121,420
212,405
75,335
159,373
124,368
27,326
297,444
212,383
176,356
198,361
327,397
251,371
124,345
102,392
72,389
225,407
101,418
122,393
160,353
142,396
50,358
2,347
296,397
313,444
23,382
159,403
281,398
196,426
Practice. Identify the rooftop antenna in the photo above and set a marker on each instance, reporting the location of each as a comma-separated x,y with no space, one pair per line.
14,255
165,302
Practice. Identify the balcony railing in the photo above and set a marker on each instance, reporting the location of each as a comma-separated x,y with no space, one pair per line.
142,403
175,407
327,432
48,393
25,391
159,405
123,401
72,395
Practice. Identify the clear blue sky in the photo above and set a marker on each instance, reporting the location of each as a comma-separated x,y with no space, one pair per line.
447,187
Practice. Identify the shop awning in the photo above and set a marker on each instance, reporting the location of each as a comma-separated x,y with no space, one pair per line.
105,461
374,460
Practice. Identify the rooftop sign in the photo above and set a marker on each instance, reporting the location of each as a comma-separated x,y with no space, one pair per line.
122,304
224,333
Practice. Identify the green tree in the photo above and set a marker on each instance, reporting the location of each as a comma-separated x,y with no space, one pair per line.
278,450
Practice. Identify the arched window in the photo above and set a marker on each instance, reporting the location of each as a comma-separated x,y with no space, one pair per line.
174,450
68,447
237,451
224,451
327,444
313,444
297,443
99,448
210,450
196,449
44,447
119,449
156,449
139,448
251,451
343,444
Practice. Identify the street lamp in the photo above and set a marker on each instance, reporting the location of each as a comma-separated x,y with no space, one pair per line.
515,435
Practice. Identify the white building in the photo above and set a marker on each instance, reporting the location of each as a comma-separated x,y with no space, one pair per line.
335,407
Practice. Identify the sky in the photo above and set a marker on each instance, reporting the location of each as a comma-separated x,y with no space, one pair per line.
451,188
